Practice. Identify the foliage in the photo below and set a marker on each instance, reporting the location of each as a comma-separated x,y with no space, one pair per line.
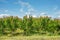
29,26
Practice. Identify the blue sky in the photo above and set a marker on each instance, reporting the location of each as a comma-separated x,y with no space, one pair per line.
34,7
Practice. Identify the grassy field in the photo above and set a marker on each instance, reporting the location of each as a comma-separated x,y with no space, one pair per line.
30,38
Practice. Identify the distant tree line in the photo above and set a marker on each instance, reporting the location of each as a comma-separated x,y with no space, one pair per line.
29,26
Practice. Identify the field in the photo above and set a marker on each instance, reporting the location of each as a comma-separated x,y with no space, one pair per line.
30,38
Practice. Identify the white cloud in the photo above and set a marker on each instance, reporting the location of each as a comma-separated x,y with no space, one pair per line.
3,10
6,10
0,10
24,4
43,13
26,8
4,15
21,10
58,16
34,16
55,8
58,12
30,9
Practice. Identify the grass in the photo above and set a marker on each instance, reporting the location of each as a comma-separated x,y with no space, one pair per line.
30,38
